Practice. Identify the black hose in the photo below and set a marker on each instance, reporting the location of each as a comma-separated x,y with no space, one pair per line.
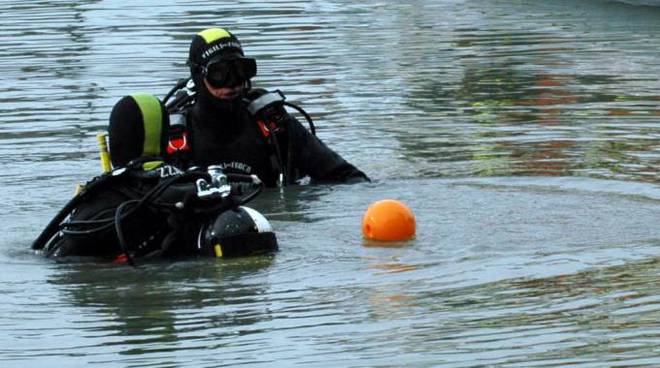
250,196
120,234
106,223
312,128
104,226
179,103
179,85
94,221
243,178
289,153
155,192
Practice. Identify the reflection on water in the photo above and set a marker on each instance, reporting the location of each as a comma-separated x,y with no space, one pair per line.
566,89
537,262
557,100
577,319
542,272
159,303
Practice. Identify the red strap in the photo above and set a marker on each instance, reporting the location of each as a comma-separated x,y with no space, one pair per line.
264,130
121,259
178,144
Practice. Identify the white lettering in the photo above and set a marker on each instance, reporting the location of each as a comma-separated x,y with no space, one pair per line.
240,166
167,171
221,46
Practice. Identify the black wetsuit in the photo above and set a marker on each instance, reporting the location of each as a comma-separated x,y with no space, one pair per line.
227,135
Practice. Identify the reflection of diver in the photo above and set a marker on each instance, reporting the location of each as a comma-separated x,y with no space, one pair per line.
148,208
133,310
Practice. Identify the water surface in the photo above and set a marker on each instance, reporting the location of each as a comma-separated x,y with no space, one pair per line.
524,135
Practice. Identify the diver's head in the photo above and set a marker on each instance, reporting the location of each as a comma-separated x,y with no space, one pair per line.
138,128
218,64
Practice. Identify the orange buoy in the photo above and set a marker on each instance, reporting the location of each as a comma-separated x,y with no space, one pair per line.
388,220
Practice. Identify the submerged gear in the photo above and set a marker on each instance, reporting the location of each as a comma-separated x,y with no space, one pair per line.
138,127
134,213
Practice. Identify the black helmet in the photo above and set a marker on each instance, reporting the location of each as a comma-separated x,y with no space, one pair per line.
138,128
217,54
241,231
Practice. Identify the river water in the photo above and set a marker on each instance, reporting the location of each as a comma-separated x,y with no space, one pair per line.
525,136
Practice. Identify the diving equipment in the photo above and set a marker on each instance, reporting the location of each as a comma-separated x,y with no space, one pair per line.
229,73
210,50
138,127
132,214
266,108
239,231
104,155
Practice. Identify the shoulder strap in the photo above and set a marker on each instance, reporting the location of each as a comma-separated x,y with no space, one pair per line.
179,149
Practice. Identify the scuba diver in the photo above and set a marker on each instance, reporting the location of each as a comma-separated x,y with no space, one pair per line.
146,208
219,119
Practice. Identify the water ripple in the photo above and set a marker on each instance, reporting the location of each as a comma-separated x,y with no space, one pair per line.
527,254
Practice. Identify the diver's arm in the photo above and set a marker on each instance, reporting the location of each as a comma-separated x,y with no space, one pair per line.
312,157
299,151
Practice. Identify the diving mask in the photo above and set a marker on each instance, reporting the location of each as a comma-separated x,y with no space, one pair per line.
229,72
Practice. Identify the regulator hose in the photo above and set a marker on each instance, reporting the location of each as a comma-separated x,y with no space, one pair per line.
304,113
